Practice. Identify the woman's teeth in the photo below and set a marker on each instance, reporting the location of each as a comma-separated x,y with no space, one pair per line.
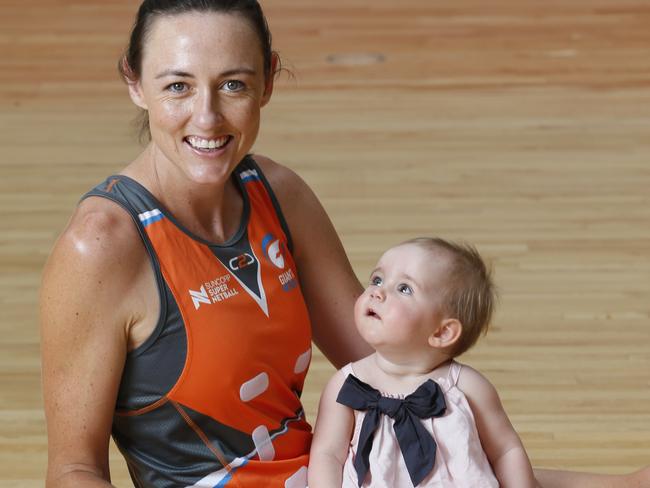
203,144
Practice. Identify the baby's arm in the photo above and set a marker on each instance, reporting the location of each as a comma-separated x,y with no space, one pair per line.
499,440
332,436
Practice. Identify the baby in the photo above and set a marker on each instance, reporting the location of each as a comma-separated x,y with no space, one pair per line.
408,414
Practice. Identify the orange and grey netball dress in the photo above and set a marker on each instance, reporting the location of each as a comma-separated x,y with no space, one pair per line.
212,398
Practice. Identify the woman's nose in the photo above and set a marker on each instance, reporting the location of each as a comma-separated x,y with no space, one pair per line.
207,111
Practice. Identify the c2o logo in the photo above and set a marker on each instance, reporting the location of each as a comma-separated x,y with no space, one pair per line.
240,262
274,250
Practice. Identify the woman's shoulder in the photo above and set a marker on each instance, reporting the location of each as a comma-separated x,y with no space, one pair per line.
299,204
100,221
96,271
282,179
99,238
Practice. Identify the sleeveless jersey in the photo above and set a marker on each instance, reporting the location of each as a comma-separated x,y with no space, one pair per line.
212,398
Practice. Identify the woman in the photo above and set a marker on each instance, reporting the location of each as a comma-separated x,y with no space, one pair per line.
171,315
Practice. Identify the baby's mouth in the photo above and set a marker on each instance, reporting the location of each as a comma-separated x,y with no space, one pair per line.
372,313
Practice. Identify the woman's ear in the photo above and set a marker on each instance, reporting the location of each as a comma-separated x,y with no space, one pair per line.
446,334
133,83
268,85
135,92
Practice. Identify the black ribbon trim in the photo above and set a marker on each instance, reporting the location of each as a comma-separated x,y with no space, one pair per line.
417,445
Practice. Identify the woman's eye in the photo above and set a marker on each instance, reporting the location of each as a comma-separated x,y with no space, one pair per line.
233,85
375,280
178,87
405,289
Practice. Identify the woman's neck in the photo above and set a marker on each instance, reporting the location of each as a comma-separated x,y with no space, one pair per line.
211,211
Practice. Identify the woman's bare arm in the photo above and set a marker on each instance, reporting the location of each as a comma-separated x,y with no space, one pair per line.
328,282
548,478
89,289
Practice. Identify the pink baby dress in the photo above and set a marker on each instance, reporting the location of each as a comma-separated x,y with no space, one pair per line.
460,459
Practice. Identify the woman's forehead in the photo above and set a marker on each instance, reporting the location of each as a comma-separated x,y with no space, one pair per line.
201,36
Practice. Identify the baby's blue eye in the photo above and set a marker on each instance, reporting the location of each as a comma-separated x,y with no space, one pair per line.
404,289
375,280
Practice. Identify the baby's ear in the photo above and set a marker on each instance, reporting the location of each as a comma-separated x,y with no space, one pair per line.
446,334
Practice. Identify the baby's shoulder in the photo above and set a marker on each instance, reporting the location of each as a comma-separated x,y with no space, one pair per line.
466,373
363,365
473,383
364,369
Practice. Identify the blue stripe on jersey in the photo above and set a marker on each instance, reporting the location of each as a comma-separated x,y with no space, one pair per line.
224,481
151,216
249,175
228,477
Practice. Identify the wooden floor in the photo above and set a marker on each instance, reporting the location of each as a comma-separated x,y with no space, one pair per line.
521,126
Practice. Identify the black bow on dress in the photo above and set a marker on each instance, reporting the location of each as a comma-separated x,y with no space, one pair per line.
417,445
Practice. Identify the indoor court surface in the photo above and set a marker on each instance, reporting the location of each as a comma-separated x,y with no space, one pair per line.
521,126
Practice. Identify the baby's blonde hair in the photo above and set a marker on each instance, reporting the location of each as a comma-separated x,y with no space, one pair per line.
470,293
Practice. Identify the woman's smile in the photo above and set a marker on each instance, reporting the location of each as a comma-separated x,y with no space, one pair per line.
207,147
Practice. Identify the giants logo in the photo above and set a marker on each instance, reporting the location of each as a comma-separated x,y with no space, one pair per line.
240,262
274,250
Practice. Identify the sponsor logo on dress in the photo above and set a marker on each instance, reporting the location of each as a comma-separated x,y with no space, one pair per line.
240,262
213,291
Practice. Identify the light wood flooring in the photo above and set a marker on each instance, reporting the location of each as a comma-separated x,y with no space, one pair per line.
521,126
